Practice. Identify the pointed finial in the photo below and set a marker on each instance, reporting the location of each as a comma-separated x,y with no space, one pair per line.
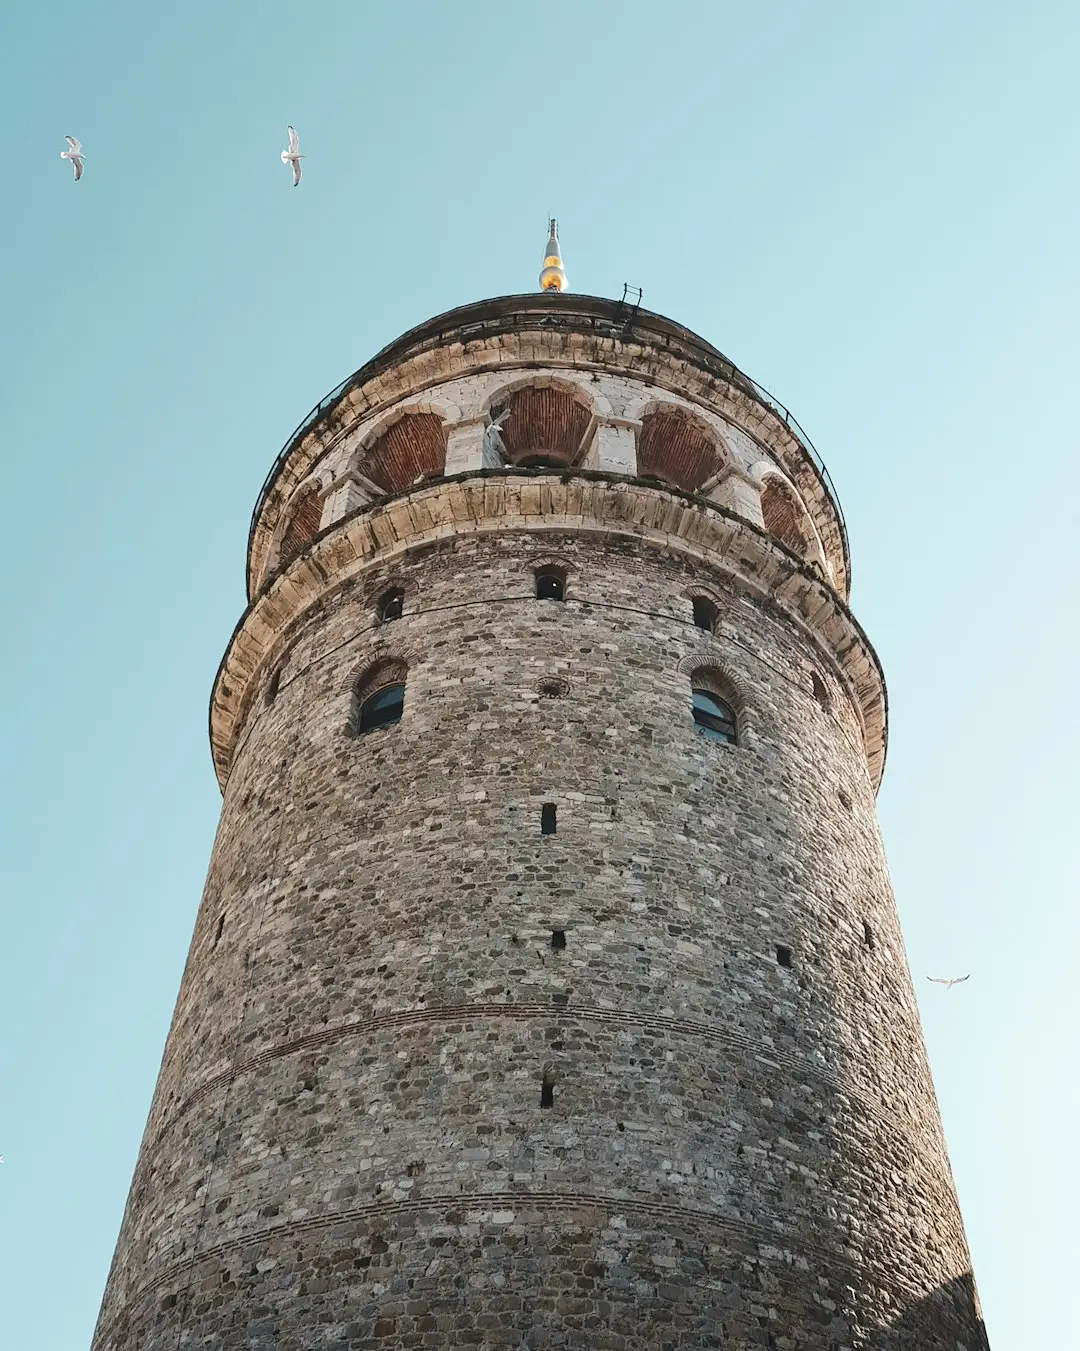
553,275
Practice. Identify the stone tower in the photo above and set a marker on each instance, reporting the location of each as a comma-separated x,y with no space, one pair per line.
547,989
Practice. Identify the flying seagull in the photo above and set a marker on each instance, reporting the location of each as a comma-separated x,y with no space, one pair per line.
948,981
74,152
293,156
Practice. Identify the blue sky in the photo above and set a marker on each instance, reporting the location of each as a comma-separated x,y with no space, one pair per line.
873,209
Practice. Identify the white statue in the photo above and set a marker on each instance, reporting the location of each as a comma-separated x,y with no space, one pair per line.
493,448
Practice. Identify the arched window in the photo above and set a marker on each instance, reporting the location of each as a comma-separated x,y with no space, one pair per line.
378,697
391,605
705,613
382,707
551,584
714,718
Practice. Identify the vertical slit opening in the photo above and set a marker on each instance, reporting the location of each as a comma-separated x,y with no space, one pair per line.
783,955
547,1091
547,819
220,930
868,934
558,939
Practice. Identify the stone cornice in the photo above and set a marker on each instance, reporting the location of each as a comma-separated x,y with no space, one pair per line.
495,501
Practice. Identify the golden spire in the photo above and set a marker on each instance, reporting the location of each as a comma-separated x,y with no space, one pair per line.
553,275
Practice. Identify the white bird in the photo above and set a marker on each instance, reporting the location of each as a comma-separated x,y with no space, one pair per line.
293,156
948,981
74,152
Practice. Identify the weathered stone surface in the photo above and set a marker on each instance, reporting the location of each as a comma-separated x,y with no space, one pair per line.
392,965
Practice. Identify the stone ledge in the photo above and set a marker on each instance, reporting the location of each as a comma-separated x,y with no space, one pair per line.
494,501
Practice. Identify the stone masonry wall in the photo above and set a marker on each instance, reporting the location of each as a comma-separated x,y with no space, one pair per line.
347,1147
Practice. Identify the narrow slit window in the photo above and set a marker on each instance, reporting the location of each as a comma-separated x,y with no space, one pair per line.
220,930
547,1091
270,693
783,955
868,934
550,585
558,939
547,819
821,692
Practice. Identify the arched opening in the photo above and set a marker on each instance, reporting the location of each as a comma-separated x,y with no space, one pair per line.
551,584
785,516
378,697
391,605
705,613
412,448
678,448
305,515
545,426
270,691
382,707
713,706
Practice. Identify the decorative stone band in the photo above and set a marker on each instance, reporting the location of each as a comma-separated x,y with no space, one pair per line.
528,336
494,502
502,1209
893,1124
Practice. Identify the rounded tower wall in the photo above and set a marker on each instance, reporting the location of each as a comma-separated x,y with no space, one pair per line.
537,1017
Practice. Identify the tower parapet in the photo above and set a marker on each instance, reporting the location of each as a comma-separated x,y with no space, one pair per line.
547,988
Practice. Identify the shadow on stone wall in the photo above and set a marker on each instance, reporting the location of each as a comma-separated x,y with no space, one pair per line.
947,1320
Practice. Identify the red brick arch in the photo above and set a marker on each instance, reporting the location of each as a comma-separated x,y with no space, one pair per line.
545,422
302,523
413,447
677,447
785,516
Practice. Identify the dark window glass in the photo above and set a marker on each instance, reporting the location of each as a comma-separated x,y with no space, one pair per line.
391,606
704,613
714,718
549,586
547,819
384,706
